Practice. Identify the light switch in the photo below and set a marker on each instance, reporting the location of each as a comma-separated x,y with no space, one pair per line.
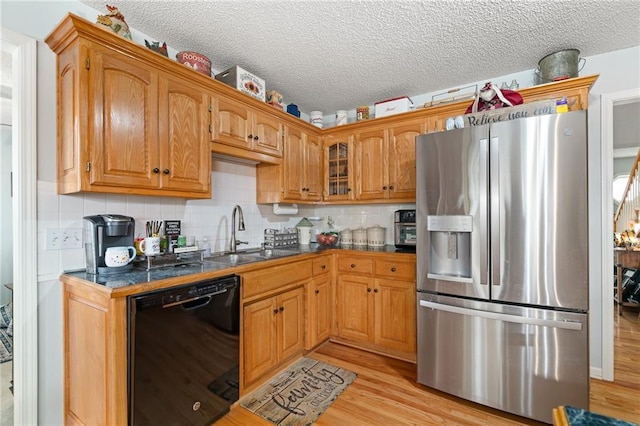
66,238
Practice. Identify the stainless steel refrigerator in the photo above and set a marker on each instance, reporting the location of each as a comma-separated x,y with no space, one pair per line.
502,263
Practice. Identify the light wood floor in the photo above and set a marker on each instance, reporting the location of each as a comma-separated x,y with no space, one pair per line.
621,398
386,392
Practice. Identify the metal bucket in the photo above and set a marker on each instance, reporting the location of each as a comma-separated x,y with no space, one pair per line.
559,66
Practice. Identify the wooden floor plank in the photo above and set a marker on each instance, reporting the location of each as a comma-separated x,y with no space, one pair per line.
386,391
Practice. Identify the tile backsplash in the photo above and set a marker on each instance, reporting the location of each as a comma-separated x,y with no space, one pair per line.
233,183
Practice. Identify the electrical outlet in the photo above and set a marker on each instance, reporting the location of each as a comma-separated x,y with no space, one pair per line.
60,239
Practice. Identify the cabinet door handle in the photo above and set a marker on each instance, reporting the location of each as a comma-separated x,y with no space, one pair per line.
393,269
353,265
391,187
281,308
384,187
165,171
368,290
250,136
375,291
317,291
255,138
156,170
323,267
275,311
348,189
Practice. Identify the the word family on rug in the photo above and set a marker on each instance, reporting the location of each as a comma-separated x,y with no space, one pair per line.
299,395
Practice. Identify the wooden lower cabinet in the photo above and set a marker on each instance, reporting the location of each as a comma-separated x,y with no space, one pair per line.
376,310
95,356
365,300
319,303
273,331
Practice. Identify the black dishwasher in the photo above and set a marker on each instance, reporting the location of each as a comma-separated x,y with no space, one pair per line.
184,353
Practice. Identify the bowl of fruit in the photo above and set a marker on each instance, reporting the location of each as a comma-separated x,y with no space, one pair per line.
328,238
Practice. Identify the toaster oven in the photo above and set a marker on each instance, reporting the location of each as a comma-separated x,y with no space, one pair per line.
405,234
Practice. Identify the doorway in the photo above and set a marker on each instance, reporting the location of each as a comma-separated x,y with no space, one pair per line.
609,102
23,51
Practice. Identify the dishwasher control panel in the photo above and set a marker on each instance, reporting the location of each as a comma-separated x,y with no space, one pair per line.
176,295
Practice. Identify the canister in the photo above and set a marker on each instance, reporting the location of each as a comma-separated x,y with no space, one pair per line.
316,118
375,236
341,117
304,231
359,237
362,113
346,237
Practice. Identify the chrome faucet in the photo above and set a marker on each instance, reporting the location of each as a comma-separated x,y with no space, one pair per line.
235,243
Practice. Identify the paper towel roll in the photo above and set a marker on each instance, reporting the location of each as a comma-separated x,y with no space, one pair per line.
290,209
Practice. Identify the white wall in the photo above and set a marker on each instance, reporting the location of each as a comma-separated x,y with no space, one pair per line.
6,223
618,70
232,184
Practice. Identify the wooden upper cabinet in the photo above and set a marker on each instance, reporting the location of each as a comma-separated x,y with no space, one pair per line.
125,123
186,154
298,178
240,126
292,168
122,127
233,123
385,162
313,168
372,164
338,167
267,134
302,167
402,159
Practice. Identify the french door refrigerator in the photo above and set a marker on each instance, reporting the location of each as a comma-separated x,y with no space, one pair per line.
502,263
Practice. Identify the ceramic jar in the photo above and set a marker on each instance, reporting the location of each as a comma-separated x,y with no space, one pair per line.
304,231
359,236
346,237
375,236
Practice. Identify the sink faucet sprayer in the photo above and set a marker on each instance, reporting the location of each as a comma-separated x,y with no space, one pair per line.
234,243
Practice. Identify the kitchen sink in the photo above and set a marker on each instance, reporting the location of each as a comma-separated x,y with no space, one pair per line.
248,256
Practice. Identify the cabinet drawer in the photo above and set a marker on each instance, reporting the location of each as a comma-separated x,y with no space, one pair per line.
355,264
274,278
321,266
400,270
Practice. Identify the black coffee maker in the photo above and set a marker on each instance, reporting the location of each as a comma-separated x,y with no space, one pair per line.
101,232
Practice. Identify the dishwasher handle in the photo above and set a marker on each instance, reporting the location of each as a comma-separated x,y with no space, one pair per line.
202,300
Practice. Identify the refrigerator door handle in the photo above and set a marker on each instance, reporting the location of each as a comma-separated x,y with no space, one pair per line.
567,325
495,208
483,212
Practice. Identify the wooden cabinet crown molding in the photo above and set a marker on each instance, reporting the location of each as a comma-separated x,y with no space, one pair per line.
73,26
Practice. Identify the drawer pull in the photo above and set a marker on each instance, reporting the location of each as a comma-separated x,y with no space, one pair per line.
353,265
393,269
323,267
317,291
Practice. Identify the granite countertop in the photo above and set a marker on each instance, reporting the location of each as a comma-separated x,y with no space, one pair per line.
140,275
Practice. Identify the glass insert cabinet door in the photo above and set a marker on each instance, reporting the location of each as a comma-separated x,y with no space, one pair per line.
338,170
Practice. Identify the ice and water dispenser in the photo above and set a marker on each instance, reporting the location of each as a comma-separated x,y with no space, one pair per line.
450,247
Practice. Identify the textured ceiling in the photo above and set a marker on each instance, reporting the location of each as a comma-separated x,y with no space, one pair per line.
330,55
